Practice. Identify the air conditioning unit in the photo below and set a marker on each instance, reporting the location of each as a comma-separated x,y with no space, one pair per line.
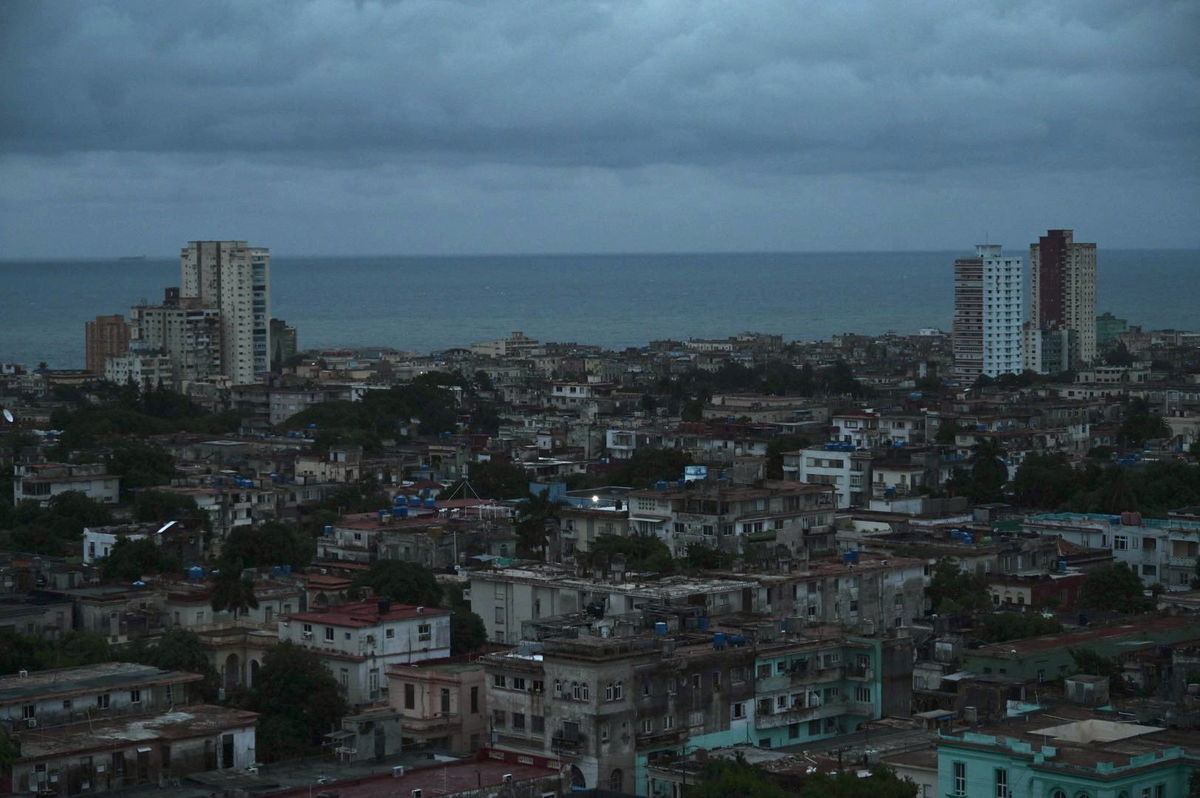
23,673
416,793
31,723
306,635
507,778
398,772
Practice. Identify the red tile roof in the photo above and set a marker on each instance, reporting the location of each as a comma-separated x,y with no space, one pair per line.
362,614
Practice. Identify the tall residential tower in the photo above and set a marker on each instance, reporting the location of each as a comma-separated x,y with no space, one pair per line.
988,314
235,279
1061,333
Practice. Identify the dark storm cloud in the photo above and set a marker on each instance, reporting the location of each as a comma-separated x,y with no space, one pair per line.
533,125
807,86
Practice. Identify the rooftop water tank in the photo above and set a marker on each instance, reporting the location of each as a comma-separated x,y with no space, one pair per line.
660,628
718,640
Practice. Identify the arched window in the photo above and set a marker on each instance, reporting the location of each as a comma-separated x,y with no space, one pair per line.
616,782
1058,794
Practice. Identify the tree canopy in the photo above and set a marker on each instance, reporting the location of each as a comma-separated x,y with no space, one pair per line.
1001,626
130,560
270,543
952,591
1114,587
404,582
56,529
300,702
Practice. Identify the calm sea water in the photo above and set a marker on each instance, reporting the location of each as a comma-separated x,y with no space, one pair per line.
428,303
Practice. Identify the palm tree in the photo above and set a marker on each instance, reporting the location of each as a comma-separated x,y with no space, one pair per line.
988,471
231,590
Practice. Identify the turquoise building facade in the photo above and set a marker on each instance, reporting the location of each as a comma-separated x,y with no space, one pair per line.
975,765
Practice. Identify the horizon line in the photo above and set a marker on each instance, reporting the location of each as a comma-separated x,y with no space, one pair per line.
550,254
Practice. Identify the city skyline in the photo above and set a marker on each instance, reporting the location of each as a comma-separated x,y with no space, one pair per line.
381,128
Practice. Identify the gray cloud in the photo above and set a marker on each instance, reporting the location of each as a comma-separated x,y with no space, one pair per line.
527,100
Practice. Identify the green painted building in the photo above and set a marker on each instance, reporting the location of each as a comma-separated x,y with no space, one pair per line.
1067,754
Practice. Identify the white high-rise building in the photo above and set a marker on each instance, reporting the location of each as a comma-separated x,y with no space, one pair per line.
234,278
989,312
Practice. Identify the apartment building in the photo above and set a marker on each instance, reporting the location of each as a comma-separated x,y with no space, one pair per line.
1160,550
358,642
234,278
613,706
841,466
147,370
41,482
1061,333
105,337
506,599
442,704
720,515
106,727
186,331
989,314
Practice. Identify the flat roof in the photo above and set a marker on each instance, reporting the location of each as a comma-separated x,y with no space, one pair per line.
201,720
466,776
362,614
86,679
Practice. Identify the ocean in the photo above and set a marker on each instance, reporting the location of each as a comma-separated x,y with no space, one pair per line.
429,303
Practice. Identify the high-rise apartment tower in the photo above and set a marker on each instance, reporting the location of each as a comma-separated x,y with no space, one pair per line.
988,314
235,279
107,336
1061,333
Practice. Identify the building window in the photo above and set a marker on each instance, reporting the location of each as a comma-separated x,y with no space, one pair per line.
498,718
390,633
862,694
27,711
618,690
424,632
474,700
739,709
499,616
647,725
499,680
960,778
537,724
102,701
329,634
558,687
1120,542
668,722
410,696
135,696
518,721
576,692
1002,783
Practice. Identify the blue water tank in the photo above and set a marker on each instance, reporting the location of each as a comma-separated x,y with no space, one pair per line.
399,499
680,483
702,622
287,569
846,558
195,572
718,640
661,484
400,512
737,640
383,516
430,502
968,537
328,531
660,628
854,555
1062,565
414,501
276,570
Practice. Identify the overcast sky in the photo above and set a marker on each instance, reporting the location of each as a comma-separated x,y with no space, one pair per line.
433,126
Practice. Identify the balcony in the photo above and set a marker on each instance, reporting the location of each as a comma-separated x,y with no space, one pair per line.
661,737
567,743
786,717
811,675
442,722
861,674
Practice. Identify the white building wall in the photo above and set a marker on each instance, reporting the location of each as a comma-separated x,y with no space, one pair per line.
1003,311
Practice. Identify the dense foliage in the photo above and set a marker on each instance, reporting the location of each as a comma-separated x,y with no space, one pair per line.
641,553
1050,482
404,582
299,700
56,529
952,591
425,404
1003,626
1114,587
107,410
269,544
130,560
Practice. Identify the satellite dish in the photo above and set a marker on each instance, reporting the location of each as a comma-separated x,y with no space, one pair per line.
165,527
8,416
